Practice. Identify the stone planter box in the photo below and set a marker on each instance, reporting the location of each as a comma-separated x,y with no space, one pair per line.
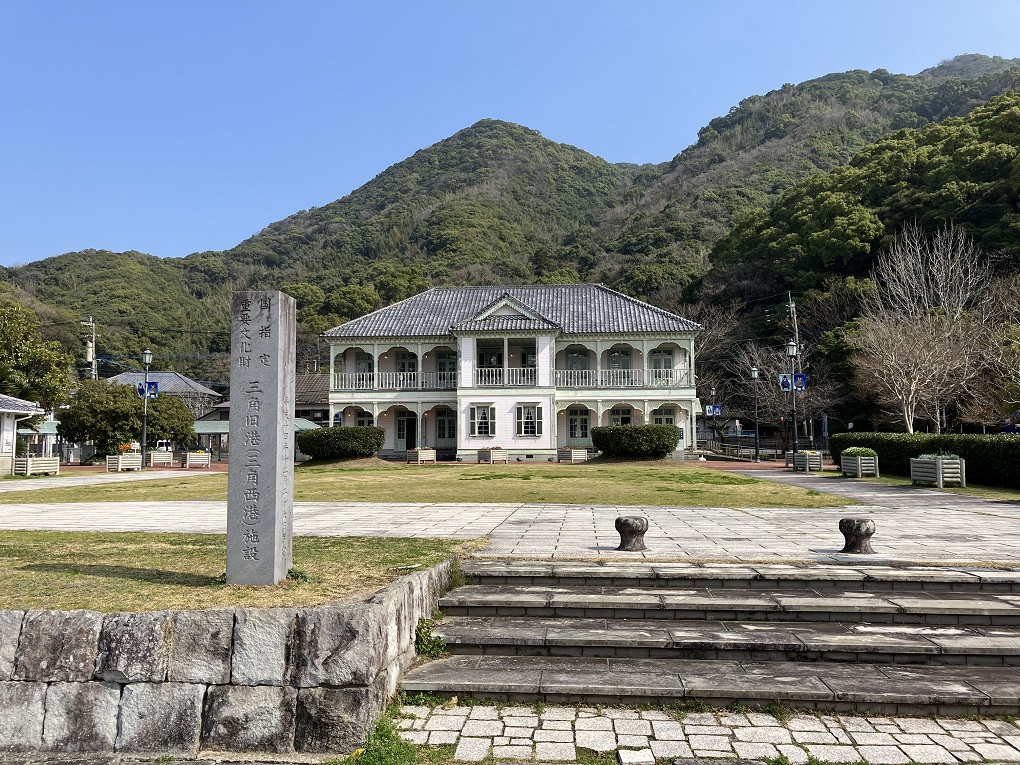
807,461
195,460
37,466
420,456
859,466
493,455
571,454
938,472
128,461
160,458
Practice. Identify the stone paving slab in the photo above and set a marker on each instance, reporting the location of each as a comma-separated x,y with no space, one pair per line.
565,532
556,733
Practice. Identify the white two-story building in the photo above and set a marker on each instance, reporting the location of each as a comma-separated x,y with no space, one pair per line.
527,369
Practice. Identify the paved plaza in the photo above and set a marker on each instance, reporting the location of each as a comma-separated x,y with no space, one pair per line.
554,734
914,525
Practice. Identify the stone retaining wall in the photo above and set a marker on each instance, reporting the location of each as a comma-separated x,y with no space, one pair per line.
246,680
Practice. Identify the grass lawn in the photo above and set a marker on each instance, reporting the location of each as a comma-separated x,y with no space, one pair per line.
599,483
150,572
972,490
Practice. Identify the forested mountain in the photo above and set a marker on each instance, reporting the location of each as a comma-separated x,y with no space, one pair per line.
498,203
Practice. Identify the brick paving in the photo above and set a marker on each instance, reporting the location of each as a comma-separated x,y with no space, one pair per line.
555,734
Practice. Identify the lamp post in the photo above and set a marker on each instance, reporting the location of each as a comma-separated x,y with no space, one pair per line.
146,360
715,428
791,351
757,451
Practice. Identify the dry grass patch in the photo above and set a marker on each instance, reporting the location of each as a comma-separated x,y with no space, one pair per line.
111,572
597,483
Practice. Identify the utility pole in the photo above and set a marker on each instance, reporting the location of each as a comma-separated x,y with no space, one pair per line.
795,363
90,347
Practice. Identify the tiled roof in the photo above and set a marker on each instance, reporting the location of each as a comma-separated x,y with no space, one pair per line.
311,388
578,308
18,405
503,323
172,383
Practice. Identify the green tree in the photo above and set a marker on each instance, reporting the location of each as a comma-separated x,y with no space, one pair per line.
169,420
352,301
30,365
108,415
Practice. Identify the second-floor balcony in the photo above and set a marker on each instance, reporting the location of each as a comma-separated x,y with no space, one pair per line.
511,376
622,378
395,381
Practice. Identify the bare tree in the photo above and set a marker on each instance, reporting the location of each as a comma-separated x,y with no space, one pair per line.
924,336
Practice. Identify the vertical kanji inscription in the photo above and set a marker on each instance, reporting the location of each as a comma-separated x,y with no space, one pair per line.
260,504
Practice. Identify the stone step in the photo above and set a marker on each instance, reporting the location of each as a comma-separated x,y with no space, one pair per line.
872,578
739,641
885,689
733,604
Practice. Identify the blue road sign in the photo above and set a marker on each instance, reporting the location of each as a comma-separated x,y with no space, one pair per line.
153,390
800,382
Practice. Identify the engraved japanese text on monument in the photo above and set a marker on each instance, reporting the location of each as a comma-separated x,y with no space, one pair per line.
260,504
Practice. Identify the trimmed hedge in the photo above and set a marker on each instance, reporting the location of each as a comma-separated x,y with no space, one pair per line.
338,443
637,441
992,460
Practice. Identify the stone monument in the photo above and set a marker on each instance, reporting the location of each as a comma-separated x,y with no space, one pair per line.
260,489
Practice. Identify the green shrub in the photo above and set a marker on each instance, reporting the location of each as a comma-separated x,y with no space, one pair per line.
992,460
339,443
636,441
859,451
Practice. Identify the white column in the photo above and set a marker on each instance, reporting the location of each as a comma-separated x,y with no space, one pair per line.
375,366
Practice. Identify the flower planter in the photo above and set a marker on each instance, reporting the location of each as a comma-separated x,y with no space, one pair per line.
807,461
195,460
571,454
165,459
493,455
420,456
37,466
859,466
939,471
127,461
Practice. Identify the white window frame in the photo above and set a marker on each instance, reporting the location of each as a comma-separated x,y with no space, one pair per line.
524,423
617,415
482,417
360,418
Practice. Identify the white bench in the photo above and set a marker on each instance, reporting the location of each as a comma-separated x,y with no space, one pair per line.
571,454
160,458
195,459
420,456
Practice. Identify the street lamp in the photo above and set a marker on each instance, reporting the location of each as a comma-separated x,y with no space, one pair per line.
146,361
791,351
715,427
754,376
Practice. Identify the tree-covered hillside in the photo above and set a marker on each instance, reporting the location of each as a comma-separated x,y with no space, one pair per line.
498,203
963,171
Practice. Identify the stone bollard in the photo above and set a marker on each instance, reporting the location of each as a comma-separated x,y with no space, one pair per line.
858,533
632,530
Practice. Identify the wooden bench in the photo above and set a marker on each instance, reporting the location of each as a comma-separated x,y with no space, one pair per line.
37,466
115,463
420,456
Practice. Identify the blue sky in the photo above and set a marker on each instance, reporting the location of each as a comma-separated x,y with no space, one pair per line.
184,126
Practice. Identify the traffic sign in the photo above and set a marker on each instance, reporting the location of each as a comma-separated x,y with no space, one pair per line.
713,410
153,390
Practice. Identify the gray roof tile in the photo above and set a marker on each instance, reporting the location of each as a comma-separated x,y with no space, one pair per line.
18,405
578,308
172,383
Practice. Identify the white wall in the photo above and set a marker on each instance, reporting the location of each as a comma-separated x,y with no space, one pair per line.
506,422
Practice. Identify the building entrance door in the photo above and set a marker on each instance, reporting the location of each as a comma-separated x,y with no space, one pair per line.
407,432
577,428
